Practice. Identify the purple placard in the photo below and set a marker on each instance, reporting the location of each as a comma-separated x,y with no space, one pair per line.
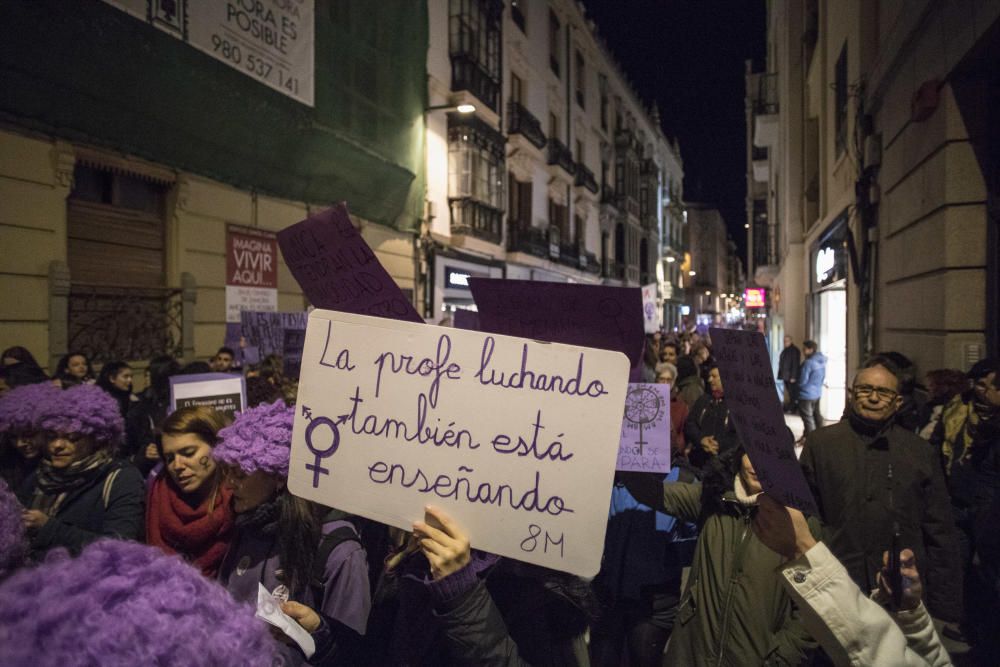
645,441
466,319
608,318
337,270
745,369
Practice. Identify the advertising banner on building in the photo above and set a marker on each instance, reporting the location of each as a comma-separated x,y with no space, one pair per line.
516,439
251,271
650,308
270,41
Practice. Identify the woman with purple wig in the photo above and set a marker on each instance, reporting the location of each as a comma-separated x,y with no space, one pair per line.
80,492
19,450
315,563
121,603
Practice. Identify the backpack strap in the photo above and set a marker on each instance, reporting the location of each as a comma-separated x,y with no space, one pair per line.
327,544
109,481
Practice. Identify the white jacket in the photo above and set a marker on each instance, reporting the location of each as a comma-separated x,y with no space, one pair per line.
853,629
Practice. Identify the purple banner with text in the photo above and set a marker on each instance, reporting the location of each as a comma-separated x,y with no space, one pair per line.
745,369
606,318
337,269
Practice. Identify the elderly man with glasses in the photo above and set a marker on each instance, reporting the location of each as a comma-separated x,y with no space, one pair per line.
873,478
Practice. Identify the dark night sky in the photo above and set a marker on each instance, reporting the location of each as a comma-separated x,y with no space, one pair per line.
688,55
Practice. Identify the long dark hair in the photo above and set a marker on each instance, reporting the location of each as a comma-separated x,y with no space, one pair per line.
109,372
62,369
718,480
19,354
299,532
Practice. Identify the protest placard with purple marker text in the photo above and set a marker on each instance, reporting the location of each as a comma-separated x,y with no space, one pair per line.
516,439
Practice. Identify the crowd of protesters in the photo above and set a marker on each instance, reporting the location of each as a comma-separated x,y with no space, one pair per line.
148,531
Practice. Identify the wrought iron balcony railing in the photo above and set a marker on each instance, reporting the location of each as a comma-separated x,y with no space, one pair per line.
522,237
585,178
521,121
561,156
472,217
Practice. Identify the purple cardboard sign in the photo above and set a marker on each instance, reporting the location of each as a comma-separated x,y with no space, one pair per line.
745,369
466,319
337,270
645,441
607,318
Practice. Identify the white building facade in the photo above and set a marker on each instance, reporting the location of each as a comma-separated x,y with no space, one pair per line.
560,174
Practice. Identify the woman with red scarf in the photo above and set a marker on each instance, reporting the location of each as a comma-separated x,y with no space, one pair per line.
188,507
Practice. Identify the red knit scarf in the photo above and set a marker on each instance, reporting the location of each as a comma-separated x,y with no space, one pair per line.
198,535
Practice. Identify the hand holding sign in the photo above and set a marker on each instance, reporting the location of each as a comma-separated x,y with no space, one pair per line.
753,402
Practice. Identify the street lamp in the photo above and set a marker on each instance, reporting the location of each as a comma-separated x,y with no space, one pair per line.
460,108
671,260
692,273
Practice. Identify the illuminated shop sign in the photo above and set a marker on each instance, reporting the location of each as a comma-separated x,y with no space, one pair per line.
755,297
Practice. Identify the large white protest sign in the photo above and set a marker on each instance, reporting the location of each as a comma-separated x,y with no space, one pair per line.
223,392
516,439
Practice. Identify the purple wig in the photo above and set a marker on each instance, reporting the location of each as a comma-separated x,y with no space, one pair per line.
19,406
85,409
122,603
259,439
12,544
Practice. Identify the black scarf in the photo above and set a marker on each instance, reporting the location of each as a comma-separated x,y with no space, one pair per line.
869,429
53,485
263,518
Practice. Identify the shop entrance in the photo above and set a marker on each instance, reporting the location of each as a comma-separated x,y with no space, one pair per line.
830,329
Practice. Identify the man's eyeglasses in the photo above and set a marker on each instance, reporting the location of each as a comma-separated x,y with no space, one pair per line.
866,390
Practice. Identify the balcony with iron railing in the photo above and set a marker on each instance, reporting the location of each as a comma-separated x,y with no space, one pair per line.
561,156
474,218
763,89
521,121
467,73
608,195
585,178
522,237
765,98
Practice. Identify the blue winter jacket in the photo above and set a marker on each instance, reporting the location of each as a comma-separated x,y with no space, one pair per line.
811,377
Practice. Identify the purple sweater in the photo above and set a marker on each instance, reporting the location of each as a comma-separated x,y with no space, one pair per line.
253,558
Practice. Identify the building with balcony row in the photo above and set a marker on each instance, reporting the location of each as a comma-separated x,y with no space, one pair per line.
872,180
561,173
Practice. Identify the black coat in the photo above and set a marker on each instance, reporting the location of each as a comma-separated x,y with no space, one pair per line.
84,516
858,504
789,363
709,416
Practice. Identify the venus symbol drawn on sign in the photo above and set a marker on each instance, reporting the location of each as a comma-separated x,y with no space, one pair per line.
642,407
316,467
